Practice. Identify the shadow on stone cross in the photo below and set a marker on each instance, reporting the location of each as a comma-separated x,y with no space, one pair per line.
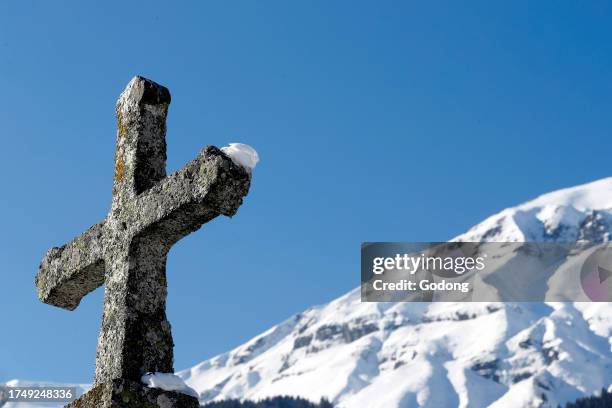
127,251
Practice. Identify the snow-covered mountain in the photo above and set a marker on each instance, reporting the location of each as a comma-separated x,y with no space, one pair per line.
371,355
440,354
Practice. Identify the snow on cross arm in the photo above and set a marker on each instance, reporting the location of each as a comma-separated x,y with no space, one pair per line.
242,154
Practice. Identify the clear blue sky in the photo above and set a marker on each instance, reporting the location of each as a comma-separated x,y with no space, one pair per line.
394,121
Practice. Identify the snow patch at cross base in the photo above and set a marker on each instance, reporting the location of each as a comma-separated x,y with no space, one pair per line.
168,382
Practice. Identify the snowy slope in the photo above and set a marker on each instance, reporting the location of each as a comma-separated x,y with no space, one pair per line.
404,355
442,354
371,355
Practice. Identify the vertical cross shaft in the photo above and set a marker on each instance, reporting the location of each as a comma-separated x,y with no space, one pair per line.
134,320
127,250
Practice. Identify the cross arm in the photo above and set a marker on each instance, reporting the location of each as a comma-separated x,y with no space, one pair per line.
70,272
209,186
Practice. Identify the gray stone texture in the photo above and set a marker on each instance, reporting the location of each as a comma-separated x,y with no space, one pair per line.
127,250
122,393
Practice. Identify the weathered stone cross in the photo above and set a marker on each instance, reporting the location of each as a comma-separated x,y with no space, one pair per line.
127,251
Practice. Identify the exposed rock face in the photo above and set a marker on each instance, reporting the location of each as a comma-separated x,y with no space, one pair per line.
127,250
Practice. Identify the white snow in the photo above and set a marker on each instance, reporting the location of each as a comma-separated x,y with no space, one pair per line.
555,216
168,382
595,195
242,154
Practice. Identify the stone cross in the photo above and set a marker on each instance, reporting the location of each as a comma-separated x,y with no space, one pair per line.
127,250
